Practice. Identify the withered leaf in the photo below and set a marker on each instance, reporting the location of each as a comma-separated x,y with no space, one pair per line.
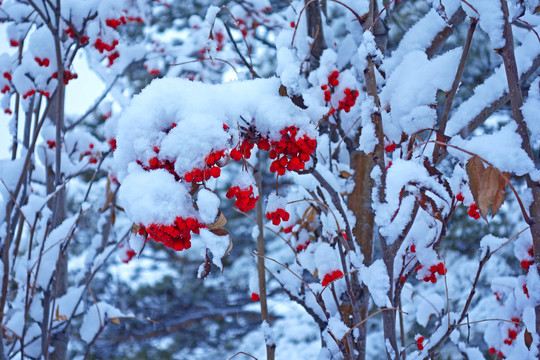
219,232
429,206
475,169
345,174
206,266
220,222
528,338
115,320
491,191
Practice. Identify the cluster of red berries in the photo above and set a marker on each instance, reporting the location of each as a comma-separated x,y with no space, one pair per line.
526,264
114,23
68,76
6,89
112,143
242,150
420,343
155,163
102,46
460,197
254,297
93,159
176,236
526,290
129,255
493,351
42,62
334,275
295,152
45,93
277,216
29,93
435,269
112,56
390,147
220,40
198,175
473,211
512,335
302,247
51,144
7,76
349,101
245,199
71,34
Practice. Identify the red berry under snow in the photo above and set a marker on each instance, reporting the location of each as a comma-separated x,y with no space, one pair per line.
328,278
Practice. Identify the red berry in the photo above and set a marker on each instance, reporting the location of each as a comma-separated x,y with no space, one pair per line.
254,297
459,197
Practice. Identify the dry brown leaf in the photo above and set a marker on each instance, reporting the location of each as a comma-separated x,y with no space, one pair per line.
345,174
491,191
219,223
58,316
135,228
475,169
219,232
501,194
537,9
115,320
429,206
316,273
528,338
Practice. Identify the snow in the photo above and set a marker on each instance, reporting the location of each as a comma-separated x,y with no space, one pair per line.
376,279
411,90
162,200
491,19
530,110
506,155
94,320
208,205
217,245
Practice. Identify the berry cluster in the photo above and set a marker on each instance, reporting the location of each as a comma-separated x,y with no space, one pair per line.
5,89
113,56
460,197
512,335
493,351
198,175
102,46
176,236
350,95
390,147
420,342
42,62
242,150
71,34
245,199
129,255
526,264
334,275
349,101
303,246
29,93
254,297
114,23
155,163
68,75
473,211
13,43
434,269
295,152
277,216
93,159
